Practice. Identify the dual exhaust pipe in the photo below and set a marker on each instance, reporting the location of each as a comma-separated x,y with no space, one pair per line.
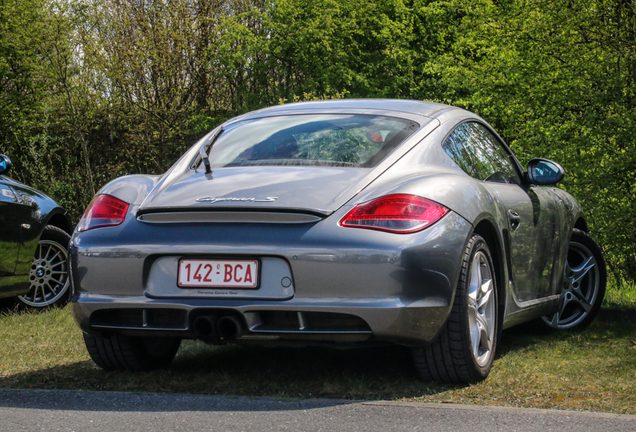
209,327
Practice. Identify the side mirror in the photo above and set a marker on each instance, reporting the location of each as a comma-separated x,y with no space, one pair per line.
544,172
5,164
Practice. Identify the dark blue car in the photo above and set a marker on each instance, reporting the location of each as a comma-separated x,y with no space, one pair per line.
34,236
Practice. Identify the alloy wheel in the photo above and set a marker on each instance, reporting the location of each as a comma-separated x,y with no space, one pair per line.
581,288
48,276
481,309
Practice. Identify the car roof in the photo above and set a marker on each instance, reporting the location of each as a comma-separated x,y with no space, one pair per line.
405,106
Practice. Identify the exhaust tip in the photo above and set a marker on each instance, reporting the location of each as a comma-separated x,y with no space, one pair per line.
205,327
229,327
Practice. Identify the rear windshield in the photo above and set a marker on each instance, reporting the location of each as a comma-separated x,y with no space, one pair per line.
313,140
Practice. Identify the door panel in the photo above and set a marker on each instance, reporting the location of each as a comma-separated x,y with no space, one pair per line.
534,238
9,229
31,226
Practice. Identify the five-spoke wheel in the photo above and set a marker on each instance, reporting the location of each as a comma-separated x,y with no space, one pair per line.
481,308
584,282
465,348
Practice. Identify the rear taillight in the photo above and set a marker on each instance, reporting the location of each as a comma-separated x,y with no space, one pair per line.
399,213
104,210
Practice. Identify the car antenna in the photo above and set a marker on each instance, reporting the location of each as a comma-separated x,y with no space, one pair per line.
204,152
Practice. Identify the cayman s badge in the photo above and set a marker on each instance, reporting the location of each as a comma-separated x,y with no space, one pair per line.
213,200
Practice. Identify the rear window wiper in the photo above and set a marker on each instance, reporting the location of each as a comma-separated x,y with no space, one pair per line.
206,148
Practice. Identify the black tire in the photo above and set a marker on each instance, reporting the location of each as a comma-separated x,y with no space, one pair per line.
128,353
464,350
584,280
49,276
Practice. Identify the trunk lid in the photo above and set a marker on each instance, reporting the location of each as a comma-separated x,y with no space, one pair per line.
319,190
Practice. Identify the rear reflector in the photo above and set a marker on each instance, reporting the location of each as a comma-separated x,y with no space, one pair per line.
104,210
398,213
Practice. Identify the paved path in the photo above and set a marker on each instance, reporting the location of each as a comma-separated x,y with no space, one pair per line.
42,410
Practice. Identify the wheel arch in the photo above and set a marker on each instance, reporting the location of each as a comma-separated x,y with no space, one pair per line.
581,224
62,222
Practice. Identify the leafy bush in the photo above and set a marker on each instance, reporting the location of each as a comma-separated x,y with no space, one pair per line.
93,90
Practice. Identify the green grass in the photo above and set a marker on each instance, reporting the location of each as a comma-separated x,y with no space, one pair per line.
620,297
592,370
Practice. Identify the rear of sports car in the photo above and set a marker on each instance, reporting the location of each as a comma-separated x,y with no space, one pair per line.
278,228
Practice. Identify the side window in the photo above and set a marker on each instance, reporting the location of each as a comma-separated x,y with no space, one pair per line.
476,150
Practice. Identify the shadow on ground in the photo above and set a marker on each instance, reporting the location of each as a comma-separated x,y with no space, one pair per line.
365,373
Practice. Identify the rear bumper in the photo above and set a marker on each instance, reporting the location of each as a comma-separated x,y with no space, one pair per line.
318,282
295,320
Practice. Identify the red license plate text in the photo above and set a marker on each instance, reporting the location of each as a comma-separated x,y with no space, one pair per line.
218,273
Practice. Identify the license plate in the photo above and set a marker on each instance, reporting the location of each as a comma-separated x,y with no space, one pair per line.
218,273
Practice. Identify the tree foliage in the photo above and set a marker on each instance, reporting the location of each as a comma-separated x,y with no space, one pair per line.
558,79
93,89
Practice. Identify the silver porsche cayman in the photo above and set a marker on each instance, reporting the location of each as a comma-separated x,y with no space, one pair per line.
340,223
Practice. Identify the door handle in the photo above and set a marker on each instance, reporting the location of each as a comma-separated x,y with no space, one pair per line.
515,219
